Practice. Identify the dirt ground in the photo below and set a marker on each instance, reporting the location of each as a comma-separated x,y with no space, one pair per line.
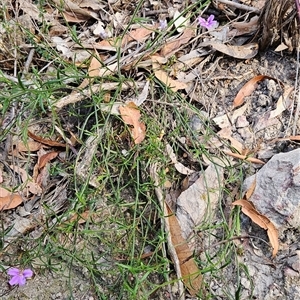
270,279
233,268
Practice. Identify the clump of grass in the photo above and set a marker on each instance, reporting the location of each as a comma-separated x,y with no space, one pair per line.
119,251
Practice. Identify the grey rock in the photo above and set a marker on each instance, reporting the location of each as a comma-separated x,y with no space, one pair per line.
277,191
241,122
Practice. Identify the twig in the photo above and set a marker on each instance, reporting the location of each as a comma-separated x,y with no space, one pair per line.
96,88
28,62
155,12
240,6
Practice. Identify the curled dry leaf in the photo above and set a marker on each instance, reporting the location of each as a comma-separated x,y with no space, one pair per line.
249,209
191,275
178,166
46,141
44,159
249,87
283,103
245,157
131,115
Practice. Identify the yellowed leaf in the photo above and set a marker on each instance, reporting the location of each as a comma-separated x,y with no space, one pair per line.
131,115
191,275
10,201
249,209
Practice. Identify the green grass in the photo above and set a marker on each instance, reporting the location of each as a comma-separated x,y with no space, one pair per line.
125,218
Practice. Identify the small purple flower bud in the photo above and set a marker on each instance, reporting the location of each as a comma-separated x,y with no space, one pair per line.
163,24
209,23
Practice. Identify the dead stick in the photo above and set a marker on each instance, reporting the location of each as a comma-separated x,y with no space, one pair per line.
240,6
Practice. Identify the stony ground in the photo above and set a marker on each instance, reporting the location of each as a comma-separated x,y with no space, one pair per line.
85,261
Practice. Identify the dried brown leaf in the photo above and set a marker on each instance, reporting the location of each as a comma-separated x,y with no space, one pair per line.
273,237
174,85
289,138
173,46
190,272
251,190
245,27
138,34
4,192
131,115
249,209
245,157
95,65
30,185
30,146
75,10
72,18
46,141
248,88
11,201
81,218
44,159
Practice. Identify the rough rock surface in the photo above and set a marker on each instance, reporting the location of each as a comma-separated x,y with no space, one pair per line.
277,191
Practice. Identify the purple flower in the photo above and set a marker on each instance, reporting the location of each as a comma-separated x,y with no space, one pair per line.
209,23
19,276
163,24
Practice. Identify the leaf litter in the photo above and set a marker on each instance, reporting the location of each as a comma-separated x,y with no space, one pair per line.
96,55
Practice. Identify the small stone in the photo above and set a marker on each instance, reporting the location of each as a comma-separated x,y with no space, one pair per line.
241,122
263,100
246,134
